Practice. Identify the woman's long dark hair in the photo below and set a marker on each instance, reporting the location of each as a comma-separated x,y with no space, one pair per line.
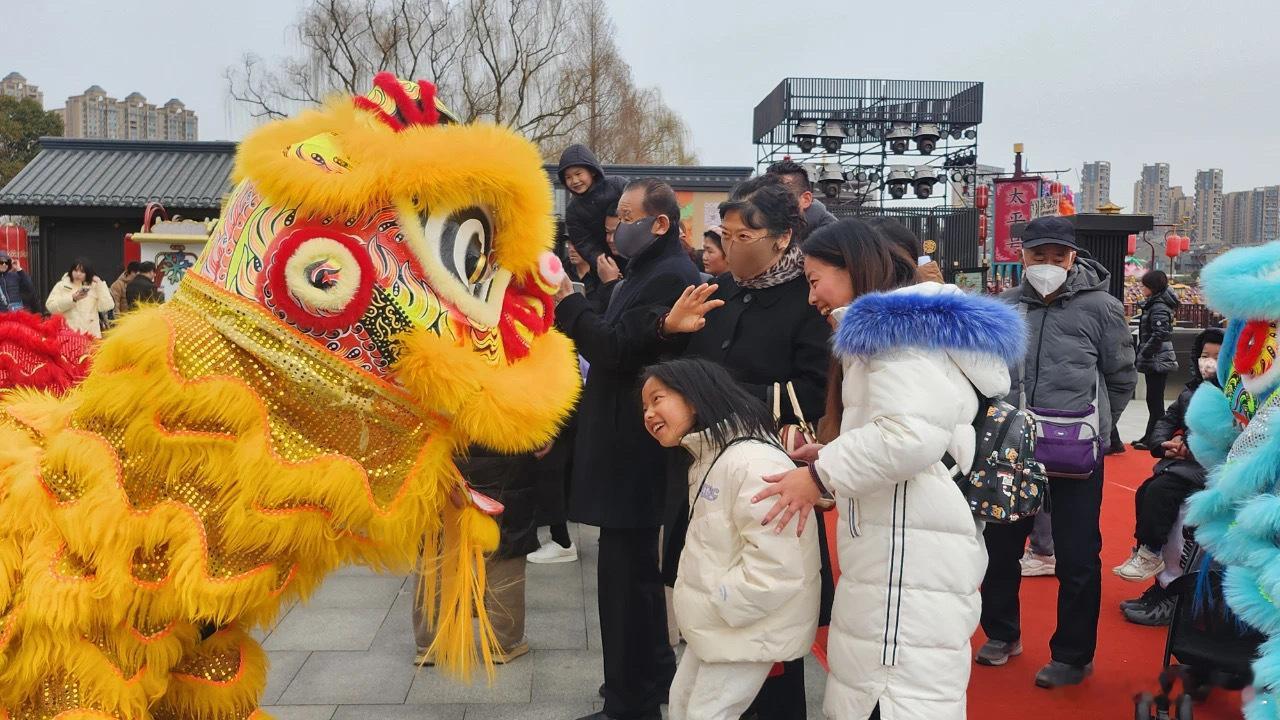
86,266
874,263
720,405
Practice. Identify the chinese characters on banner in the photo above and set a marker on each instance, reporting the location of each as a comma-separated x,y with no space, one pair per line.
1013,205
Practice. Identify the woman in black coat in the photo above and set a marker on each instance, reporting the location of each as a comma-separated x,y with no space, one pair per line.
1156,357
618,468
766,333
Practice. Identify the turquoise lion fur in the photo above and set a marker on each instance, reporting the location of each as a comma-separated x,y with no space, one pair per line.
1210,426
1237,516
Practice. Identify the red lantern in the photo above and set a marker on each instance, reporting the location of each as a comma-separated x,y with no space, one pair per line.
980,198
1132,247
1172,246
1055,188
13,241
1186,244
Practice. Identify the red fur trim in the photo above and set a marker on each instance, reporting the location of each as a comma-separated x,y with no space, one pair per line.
274,275
528,305
409,112
40,353
365,103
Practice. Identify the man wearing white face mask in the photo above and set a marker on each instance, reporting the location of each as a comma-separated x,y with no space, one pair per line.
1079,356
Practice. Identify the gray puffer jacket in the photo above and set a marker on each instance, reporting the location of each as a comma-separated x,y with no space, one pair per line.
1081,338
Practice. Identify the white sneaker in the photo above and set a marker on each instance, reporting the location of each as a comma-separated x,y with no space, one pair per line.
1141,566
1034,565
551,552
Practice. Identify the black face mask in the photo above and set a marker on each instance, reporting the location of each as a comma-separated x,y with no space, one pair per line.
634,238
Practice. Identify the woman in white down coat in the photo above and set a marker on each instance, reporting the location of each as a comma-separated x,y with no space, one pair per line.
911,553
745,597
79,297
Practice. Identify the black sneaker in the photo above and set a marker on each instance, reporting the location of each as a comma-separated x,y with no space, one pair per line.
1057,674
1151,595
1157,614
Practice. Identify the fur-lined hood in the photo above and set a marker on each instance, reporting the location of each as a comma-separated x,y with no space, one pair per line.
978,332
1243,283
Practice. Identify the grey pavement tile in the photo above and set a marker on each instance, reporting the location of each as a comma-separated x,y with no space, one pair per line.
307,628
397,628
512,684
400,712
282,665
530,711
356,592
550,587
556,629
351,678
300,712
567,675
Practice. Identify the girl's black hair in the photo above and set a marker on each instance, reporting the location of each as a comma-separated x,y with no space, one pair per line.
720,405
1156,281
86,266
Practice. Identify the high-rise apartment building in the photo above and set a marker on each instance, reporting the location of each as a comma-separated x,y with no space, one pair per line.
1095,186
14,85
1251,217
1206,227
1182,207
1151,192
95,115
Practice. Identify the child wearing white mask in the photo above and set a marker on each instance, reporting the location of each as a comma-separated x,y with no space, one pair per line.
1176,475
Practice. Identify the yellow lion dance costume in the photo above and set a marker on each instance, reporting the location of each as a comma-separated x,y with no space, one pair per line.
375,298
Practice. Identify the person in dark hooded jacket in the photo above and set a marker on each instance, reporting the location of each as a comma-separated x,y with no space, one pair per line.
1175,477
618,468
1156,358
591,195
19,293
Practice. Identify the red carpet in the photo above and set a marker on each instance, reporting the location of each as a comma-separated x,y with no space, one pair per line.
1129,656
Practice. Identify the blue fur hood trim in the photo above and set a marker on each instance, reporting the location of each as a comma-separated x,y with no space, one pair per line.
1244,283
879,322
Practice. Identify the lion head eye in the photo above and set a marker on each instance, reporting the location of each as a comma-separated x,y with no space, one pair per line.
324,274
466,247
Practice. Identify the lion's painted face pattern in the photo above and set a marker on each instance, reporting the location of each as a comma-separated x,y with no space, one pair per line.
354,281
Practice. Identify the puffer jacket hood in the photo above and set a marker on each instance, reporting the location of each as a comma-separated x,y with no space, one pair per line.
580,155
969,328
1164,297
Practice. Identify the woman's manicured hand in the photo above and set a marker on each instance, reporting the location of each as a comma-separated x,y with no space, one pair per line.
796,493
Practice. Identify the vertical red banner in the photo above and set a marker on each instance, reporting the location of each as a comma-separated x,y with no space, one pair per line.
1013,205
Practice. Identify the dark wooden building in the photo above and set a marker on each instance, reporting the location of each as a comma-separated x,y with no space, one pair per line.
88,194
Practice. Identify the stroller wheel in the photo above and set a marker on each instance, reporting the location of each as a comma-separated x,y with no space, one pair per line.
1186,704
1144,704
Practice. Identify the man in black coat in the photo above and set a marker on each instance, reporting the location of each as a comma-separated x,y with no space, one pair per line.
142,288
15,286
796,178
592,194
618,469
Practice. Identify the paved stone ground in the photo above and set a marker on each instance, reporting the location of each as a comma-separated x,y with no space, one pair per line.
348,653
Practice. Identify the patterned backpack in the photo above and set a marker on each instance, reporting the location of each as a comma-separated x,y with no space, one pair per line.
1006,483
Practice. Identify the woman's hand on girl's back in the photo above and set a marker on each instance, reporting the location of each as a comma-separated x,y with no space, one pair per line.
797,494
689,314
807,454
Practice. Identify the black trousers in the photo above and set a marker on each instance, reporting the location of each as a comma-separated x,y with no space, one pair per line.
1155,401
1078,546
1156,507
781,697
638,661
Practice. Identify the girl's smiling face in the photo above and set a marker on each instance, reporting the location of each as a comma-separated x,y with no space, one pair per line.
667,415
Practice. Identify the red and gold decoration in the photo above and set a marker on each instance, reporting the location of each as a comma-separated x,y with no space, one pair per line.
374,299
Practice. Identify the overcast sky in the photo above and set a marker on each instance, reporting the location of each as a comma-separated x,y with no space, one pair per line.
1191,83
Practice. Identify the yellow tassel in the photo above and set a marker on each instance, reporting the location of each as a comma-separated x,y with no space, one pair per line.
453,572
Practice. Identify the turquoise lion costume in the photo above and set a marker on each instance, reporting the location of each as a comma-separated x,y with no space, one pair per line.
1233,432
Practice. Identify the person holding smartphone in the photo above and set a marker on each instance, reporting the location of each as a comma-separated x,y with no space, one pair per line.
15,286
79,297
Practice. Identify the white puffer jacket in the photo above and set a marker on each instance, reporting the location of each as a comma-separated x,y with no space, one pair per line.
81,314
743,593
911,553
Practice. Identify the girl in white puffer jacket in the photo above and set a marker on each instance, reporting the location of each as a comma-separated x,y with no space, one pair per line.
745,597
80,297
911,554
